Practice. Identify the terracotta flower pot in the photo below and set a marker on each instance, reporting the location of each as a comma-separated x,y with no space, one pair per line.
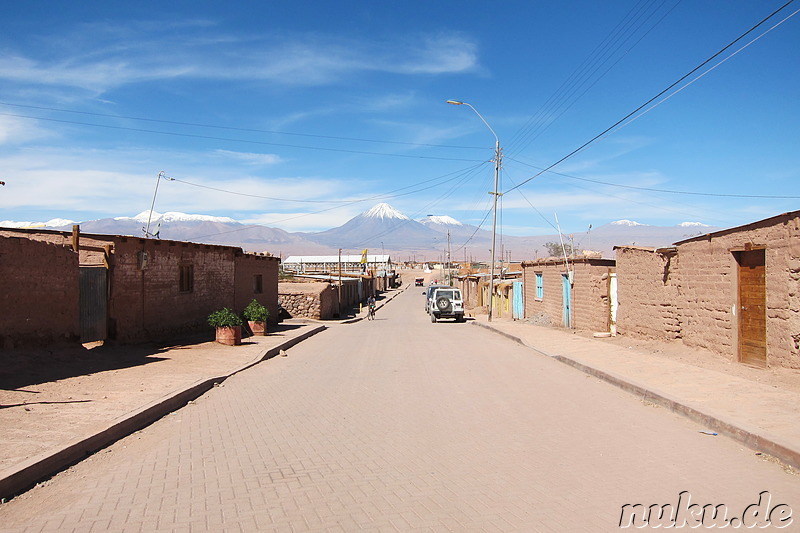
231,336
258,328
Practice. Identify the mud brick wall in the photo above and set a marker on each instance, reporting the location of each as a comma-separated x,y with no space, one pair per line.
709,288
590,299
551,304
248,266
647,293
147,303
39,293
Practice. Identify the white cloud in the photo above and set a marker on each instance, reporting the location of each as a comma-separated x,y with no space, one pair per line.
116,56
250,158
15,130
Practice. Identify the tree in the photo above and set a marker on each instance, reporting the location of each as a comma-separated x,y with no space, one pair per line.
554,249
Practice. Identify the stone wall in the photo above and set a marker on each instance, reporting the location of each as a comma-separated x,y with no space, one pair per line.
318,301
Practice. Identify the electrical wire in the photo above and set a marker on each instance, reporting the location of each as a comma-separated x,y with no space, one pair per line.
227,139
584,76
651,100
230,128
666,191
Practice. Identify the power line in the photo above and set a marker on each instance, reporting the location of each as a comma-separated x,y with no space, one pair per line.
227,139
566,95
650,189
626,117
230,128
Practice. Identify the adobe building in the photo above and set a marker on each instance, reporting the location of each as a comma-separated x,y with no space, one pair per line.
735,292
96,287
576,293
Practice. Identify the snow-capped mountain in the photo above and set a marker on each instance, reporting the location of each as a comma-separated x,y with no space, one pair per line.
384,211
381,227
52,223
629,223
174,216
442,220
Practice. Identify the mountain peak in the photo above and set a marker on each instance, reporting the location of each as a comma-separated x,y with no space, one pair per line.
384,210
443,220
174,216
693,225
629,223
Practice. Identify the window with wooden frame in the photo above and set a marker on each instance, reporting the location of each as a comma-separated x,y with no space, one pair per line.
185,278
539,286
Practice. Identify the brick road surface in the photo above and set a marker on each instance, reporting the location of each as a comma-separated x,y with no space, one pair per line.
398,424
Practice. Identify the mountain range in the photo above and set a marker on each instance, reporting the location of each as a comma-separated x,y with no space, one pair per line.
381,228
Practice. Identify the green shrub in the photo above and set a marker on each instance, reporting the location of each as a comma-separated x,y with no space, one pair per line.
224,318
256,312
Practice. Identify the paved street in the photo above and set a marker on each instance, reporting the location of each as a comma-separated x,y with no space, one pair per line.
398,424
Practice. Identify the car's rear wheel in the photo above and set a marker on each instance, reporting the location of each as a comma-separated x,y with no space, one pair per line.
443,303
433,318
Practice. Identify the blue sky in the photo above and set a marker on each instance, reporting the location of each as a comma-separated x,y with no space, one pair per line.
301,116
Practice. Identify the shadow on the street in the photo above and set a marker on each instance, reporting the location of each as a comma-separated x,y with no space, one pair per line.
20,368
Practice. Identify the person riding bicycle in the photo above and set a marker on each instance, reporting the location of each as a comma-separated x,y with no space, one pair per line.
371,307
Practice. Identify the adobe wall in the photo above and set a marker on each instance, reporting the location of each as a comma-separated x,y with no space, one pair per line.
39,293
550,308
146,303
647,294
710,288
590,300
248,266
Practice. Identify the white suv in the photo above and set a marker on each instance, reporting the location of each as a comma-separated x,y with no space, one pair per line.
446,302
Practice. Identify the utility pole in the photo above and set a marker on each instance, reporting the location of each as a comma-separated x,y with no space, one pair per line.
449,266
340,283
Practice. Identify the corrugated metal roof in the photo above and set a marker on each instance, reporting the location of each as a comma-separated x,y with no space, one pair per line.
335,259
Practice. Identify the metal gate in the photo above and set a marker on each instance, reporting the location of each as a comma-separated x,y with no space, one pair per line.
93,303
518,302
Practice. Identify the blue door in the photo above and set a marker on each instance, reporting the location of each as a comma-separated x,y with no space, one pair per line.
517,301
566,291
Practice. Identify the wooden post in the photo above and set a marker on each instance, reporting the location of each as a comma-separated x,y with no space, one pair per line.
76,237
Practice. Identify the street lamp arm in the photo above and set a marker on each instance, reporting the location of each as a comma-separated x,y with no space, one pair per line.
456,102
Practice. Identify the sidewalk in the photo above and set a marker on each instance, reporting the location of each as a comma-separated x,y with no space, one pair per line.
64,405
757,407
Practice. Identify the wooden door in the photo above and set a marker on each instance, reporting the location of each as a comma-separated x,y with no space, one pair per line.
752,308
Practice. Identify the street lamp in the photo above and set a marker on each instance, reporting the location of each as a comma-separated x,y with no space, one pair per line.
497,160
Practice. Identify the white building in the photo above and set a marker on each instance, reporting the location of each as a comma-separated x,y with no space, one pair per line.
330,263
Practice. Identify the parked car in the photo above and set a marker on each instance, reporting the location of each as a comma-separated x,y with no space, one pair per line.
446,302
429,295
418,282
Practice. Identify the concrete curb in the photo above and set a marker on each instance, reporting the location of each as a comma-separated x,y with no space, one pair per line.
23,476
752,438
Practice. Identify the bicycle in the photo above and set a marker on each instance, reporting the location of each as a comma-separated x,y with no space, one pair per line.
371,312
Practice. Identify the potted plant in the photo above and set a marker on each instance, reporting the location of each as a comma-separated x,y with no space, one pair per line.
256,315
229,326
